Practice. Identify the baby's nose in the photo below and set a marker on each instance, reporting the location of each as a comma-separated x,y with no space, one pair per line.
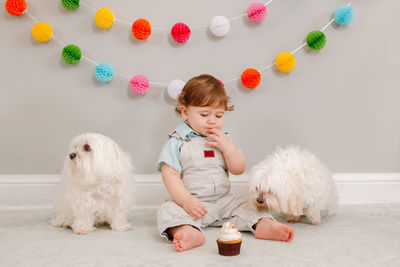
72,156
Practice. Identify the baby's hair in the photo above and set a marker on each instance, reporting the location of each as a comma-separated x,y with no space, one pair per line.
203,91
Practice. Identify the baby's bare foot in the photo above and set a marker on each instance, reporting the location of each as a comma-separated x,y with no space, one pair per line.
187,237
273,230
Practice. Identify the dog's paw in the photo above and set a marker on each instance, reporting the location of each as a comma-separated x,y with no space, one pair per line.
293,219
315,222
121,227
60,223
83,231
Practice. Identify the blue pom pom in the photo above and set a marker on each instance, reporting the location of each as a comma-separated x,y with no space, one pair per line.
104,72
344,15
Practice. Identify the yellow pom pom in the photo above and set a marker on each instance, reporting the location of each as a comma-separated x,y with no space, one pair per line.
42,32
285,62
104,18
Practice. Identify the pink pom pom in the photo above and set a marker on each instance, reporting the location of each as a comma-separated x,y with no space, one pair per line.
257,11
139,85
180,32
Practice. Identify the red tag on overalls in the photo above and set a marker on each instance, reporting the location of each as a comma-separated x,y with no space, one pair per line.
209,154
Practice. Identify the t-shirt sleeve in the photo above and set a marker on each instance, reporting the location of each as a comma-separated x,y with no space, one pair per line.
170,155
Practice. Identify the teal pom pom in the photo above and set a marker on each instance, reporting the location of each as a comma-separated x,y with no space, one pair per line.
70,4
316,40
344,15
71,54
104,72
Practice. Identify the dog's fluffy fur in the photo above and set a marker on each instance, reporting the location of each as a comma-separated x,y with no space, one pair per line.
96,185
293,182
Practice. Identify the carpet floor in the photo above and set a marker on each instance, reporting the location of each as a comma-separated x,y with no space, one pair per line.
358,235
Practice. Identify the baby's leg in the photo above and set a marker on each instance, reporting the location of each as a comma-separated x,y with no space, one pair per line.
269,229
186,237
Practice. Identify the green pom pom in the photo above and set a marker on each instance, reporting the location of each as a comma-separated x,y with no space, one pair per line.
316,40
71,54
70,4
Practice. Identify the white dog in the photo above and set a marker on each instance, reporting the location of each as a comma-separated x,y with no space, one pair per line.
96,185
293,182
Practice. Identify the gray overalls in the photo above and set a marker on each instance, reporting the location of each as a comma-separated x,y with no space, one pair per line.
205,176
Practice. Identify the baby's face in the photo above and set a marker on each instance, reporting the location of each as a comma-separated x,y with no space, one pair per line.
203,119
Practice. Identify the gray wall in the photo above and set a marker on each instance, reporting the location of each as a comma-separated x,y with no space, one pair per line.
341,102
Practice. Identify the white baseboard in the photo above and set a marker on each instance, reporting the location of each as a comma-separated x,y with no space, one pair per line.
38,191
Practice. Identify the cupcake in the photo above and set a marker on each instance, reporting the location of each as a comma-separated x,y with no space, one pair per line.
229,240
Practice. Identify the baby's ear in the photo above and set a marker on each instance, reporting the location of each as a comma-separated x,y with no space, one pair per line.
184,112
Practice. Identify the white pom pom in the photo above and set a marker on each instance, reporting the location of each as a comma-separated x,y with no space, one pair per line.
219,26
175,88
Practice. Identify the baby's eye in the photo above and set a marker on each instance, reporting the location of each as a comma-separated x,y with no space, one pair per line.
219,116
204,114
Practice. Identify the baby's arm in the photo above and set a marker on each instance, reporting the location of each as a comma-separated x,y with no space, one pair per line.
176,189
235,161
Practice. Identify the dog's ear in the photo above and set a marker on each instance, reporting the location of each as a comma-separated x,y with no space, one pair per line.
295,205
121,161
295,200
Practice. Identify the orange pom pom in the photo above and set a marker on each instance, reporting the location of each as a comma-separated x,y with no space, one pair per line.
16,7
251,78
141,29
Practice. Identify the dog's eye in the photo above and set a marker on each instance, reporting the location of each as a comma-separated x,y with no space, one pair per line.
87,148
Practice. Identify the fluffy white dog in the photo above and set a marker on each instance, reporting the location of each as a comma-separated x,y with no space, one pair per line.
293,182
96,185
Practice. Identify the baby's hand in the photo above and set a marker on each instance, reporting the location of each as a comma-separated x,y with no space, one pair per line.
219,140
194,208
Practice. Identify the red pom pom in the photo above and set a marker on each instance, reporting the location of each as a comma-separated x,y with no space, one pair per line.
251,78
141,29
16,7
180,32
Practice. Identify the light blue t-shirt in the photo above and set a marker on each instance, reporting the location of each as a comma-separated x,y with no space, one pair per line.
171,150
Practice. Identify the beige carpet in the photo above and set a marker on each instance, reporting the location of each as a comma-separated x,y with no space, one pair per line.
367,235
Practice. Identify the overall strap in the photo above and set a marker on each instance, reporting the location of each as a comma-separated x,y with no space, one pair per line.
176,135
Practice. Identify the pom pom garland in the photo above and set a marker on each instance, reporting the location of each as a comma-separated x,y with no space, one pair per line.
139,85
219,26
344,15
257,12
316,40
42,32
141,29
285,62
71,54
175,88
16,7
180,32
251,78
70,4
104,72
104,18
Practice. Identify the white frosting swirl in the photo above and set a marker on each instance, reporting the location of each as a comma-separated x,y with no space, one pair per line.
229,233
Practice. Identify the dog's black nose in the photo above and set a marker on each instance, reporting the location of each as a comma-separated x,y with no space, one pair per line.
72,155
260,200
